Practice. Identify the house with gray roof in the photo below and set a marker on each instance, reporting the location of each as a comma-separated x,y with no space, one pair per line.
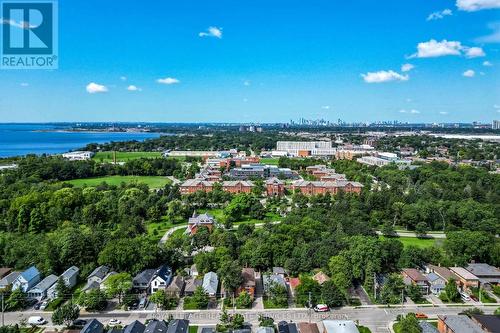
210,284
9,279
27,279
427,327
4,271
69,277
156,326
272,279
458,324
142,280
436,283
134,327
191,285
95,278
39,291
161,278
486,274
176,288
178,326
93,326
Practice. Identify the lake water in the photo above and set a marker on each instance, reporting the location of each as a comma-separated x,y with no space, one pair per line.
22,139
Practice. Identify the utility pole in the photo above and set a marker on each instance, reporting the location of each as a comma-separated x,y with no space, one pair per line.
402,297
310,305
375,286
3,310
479,294
234,305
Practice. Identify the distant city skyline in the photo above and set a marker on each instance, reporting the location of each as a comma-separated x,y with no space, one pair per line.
260,61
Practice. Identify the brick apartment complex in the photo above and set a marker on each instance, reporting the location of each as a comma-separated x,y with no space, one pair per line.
323,187
194,185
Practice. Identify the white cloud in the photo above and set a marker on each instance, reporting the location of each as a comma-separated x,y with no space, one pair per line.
24,84
487,63
133,88
325,107
407,67
469,73
443,113
94,88
168,80
433,48
123,78
17,24
212,32
412,111
493,37
384,76
474,52
496,106
475,5
439,15
246,83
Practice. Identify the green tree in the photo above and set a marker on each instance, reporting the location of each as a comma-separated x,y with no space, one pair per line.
331,295
16,300
94,300
62,289
230,273
118,285
408,324
244,300
66,314
341,273
451,291
164,301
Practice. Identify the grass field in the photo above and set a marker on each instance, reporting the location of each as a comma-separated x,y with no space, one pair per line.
270,161
151,181
218,214
124,156
419,242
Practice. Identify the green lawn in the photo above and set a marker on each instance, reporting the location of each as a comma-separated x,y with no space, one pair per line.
124,156
268,304
151,181
419,242
270,161
219,216
193,329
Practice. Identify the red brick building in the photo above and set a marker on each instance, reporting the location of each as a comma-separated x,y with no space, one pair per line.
321,187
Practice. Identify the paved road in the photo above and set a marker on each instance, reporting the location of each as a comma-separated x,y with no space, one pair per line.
377,319
413,235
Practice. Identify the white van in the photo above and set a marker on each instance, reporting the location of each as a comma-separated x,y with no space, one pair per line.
36,320
465,297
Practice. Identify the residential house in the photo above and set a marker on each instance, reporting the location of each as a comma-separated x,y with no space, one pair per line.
161,278
95,278
4,271
466,279
414,277
442,272
321,277
39,291
489,323
305,327
9,279
156,326
93,326
200,220
286,327
176,288
457,324
427,327
142,281
339,326
69,277
280,271
115,329
486,274
178,326
436,283
248,281
134,327
269,280
27,279
191,285
210,284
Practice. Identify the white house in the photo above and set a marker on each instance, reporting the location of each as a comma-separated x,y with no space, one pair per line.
210,284
95,278
27,279
69,277
161,278
78,155
39,291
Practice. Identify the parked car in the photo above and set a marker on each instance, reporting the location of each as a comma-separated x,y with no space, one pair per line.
37,306
465,297
44,305
143,303
114,322
321,308
79,323
421,315
474,298
36,320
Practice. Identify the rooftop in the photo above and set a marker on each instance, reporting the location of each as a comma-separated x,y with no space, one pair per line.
462,272
485,270
46,283
414,274
340,326
461,323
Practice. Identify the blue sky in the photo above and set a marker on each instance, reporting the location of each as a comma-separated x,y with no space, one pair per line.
265,61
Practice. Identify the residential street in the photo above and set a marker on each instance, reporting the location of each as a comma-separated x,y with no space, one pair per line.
377,319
